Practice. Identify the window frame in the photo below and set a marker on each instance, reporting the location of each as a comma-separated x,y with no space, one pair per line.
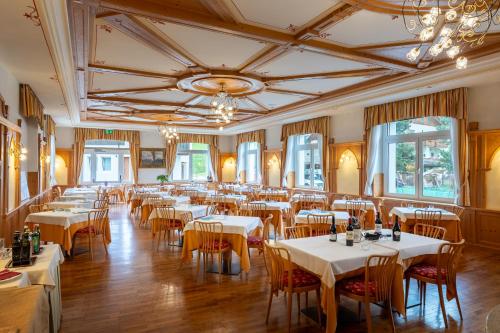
418,139
246,161
93,151
305,147
190,153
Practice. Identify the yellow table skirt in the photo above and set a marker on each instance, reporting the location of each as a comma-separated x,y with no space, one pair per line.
59,235
238,243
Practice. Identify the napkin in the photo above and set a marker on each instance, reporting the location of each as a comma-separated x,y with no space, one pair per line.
6,274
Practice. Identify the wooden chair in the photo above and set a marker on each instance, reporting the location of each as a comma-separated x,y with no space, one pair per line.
384,215
428,230
210,242
446,264
97,225
374,287
290,280
320,223
37,208
310,201
166,223
341,227
298,231
257,242
55,194
100,204
427,216
457,210
212,210
287,217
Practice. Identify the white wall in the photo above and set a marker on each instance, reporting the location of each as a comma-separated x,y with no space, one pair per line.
484,106
151,140
227,143
65,137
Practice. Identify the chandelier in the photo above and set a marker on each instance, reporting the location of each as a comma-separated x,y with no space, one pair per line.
449,27
224,106
169,132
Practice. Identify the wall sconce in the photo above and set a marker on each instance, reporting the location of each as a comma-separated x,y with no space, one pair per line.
345,157
17,150
47,159
273,161
229,162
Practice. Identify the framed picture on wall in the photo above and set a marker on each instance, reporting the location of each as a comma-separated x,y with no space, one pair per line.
152,158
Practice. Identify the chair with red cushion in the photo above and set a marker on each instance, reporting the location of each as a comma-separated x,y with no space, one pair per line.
257,242
97,225
290,280
373,287
446,264
210,242
167,223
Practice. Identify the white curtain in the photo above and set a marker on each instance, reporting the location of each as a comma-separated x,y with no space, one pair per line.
244,150
52,161
210,166
241,164
454,133
289,160
373,165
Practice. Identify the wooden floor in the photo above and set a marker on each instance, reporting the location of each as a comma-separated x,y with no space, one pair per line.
136,289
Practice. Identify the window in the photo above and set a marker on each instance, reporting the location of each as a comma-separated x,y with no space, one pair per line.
304,156
249,161
418,159
192,162
106,161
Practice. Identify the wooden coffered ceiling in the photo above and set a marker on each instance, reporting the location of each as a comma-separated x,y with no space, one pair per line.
150,61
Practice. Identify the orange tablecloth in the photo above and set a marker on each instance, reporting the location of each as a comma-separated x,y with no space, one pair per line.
59,235
238,242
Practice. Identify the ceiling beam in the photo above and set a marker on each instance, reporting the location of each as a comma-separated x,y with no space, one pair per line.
329,75
156,123
256,102
179,16
290,92
134,28
270,53
218,8
119,92
121,70
162,103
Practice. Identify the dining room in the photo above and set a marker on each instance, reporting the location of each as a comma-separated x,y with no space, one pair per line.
249,166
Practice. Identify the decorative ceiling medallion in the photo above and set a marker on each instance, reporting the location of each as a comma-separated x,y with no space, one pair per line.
210,83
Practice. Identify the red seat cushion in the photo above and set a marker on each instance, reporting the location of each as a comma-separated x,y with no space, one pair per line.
254,241
223,245
301,278
428,271
85,231
357,286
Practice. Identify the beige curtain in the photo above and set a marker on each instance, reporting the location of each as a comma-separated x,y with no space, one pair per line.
50,125
29,104
451,103
84,134
258,136
317,125
211,140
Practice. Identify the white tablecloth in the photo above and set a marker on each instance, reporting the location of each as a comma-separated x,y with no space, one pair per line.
271,205
342,204
196,210
327,259
20,281
228,198
75,197
80,190
282,193
70,204
142,195
340,217
406,213
316,197
239,225
63,218
168,200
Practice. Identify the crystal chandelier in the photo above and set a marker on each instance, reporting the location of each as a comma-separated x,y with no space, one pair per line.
169,132
224,106
449,26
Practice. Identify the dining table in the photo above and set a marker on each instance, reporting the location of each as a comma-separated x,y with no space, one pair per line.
341,217
196,211
334,261
147,204
235,230
70,204
408,218
277,208
45,272
60,225
367,205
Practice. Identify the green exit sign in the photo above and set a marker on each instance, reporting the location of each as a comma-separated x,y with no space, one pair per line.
108,131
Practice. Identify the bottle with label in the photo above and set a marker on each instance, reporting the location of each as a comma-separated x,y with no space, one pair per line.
349,235
26,247
333,231
378,224
356,230
396,230
16,249
35,236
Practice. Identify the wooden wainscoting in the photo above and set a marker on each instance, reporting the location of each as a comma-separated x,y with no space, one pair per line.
14,220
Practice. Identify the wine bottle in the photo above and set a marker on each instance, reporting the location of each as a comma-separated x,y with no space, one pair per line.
16,249
378,224
396,230
349,235
356,230
333,231
36,239
26,247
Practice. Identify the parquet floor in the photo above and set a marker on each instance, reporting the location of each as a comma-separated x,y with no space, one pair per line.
136,289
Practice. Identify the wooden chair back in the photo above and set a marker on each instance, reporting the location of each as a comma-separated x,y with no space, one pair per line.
209,236
186,218
98,219
212,210
280,263
428,216
354,207
384,215
457,210
298,231
429,230
101,204
380,270
37,208
166,215
447,259
320,223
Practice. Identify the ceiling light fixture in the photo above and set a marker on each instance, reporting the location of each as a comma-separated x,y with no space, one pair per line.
169,132
224,106
462,24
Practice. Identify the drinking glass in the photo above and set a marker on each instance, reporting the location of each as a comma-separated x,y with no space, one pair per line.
365,245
